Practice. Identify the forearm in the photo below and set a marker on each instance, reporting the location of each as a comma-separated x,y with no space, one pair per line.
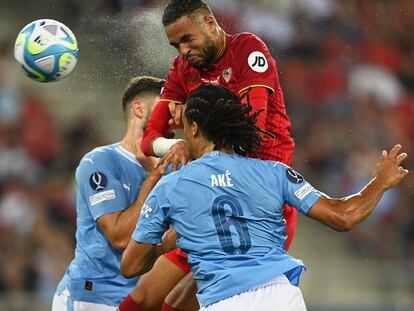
356,208
139,258
149,262
157,126
344,214
127,219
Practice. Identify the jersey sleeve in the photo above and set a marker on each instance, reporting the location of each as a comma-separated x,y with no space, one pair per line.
295,190
255,66
99,184
154,218
173,90
157,125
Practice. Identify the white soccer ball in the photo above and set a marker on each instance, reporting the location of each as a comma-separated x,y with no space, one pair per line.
47,50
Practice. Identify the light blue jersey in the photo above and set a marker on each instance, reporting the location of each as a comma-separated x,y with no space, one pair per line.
108,180
227,211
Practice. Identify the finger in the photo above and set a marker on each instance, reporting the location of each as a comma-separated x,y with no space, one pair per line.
172,106
184,161
384,153
178,113
166,163
395,150
159,162
174,166
171,122
401,157
403,171
164,168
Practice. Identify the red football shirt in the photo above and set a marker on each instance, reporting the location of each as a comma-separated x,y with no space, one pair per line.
245,63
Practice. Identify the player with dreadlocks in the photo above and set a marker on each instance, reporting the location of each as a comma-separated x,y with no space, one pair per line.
208,55
227,210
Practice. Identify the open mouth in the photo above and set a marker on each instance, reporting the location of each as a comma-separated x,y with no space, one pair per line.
194,59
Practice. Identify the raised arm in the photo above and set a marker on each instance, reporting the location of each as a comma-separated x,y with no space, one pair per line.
345,213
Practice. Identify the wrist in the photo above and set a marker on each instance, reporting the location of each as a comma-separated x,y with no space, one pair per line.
378,183
153,176
162,145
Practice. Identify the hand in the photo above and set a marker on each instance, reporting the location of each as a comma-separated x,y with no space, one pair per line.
176,111
177,154
388,170
147,162
169,240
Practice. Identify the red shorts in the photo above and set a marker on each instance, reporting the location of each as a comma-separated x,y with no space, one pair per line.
179,258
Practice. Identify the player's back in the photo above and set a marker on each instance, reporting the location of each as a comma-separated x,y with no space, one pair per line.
108,179
227,211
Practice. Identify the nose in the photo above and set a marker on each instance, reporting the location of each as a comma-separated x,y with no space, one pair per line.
183,49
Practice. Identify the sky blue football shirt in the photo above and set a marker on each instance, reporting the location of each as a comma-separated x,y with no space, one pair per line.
108,180
227,211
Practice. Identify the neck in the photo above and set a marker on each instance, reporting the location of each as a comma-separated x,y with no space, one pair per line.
209,147
221,44
133,133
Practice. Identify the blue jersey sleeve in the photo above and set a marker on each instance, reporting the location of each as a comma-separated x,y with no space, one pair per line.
154,218
98,179
296,191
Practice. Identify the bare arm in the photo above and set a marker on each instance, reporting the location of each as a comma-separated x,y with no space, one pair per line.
118,227
345,213
139,258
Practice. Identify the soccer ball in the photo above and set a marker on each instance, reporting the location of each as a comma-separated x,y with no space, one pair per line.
47,50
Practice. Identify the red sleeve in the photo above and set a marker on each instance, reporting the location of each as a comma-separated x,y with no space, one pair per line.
157,125
174,87
255,66
257,97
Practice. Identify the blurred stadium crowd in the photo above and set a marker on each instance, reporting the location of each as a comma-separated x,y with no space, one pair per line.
347,71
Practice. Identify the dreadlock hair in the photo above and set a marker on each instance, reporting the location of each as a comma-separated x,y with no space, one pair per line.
141,85
224,120
176,9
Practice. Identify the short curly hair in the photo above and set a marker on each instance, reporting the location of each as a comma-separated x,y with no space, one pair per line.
141,85
176,9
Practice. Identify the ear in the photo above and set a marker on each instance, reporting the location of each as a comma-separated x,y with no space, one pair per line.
210,23
138,109
195,130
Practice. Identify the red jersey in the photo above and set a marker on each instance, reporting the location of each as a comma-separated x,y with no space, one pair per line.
245,63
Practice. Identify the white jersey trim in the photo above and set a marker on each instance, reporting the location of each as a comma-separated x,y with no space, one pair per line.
127,155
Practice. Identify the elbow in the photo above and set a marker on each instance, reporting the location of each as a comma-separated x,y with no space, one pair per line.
344,223
130,270
132,264
120,244
127,272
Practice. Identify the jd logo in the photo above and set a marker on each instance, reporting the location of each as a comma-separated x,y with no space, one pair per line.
258,62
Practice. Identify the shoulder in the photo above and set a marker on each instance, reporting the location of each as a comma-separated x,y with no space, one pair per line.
269,166
276,166
245,40
100,158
